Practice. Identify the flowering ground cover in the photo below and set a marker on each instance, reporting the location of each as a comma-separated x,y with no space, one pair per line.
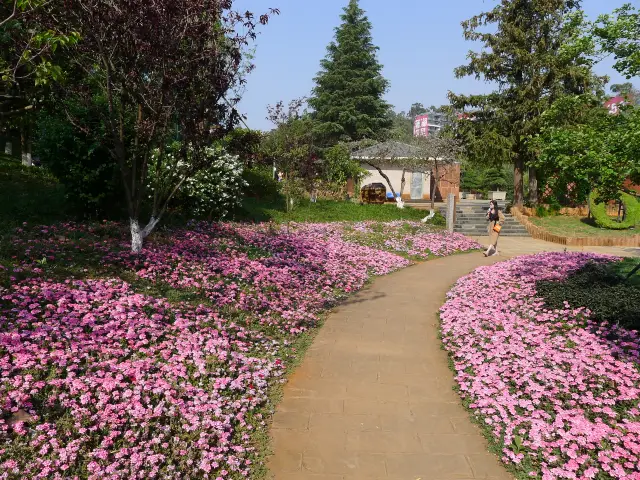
413,240
163,365
558,392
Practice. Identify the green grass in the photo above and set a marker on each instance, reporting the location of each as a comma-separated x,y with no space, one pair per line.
326,211
578,227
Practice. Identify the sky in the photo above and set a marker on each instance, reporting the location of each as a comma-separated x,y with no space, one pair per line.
420,44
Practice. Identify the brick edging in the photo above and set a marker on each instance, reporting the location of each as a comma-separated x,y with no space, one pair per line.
541,234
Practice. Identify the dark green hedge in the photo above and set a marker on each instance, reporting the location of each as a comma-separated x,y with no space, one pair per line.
603,289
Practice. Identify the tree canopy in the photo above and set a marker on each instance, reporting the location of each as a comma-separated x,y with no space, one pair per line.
534,58
160,67
347,99
619,34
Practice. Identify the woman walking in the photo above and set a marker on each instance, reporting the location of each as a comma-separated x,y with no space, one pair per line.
496,219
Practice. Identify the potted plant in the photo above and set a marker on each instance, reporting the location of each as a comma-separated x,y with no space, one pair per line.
495,181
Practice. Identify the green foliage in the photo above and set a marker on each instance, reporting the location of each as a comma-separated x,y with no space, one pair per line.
494,179
243,142
570,226
415,110
534,54
291,147
347,98
339,166
260,184
477,179
401,126
28,46
471,180
80,161
603,289
619,34
30,195
582,144
599,212
628,91
213,192
329,211
541,211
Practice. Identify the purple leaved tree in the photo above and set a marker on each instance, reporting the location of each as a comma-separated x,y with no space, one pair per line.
166,69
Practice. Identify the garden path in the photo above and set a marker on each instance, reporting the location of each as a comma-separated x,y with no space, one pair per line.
373,397
515,246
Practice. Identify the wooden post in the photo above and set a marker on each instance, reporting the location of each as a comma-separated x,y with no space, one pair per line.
350,188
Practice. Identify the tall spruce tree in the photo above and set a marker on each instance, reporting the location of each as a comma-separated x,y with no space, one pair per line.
533,57
347,98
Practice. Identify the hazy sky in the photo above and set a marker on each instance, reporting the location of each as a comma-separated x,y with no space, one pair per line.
420,44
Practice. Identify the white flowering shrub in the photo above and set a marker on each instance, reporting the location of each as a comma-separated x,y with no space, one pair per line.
213,192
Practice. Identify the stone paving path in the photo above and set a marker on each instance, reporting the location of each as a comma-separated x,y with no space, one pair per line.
373,398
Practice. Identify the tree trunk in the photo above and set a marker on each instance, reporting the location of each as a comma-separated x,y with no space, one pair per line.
433,185
402,182
518,182
25,141
533,186
136,236
8,148
384,175
139,234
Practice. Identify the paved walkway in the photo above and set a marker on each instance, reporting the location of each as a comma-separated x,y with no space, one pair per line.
514,246
373,398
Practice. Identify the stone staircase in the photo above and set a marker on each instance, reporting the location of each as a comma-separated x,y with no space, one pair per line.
471,220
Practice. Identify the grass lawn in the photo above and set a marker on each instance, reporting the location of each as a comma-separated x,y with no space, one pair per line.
578,227
327,211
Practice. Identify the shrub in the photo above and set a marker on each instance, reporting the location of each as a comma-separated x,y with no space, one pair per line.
340,166
213,193
601,288
438,220
599,212
80,161
260,184
541,211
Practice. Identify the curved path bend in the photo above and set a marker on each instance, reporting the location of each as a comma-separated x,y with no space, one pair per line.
373,397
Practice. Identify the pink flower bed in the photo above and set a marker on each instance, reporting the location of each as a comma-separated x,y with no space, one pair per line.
99,381
119,385
285,278
410,239
559,392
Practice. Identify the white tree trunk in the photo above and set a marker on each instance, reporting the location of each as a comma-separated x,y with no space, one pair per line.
8,148
139,234
432,214
25,141
399,202
27,161
137,237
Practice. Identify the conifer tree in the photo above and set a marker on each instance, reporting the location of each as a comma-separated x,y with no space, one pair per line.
347,98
